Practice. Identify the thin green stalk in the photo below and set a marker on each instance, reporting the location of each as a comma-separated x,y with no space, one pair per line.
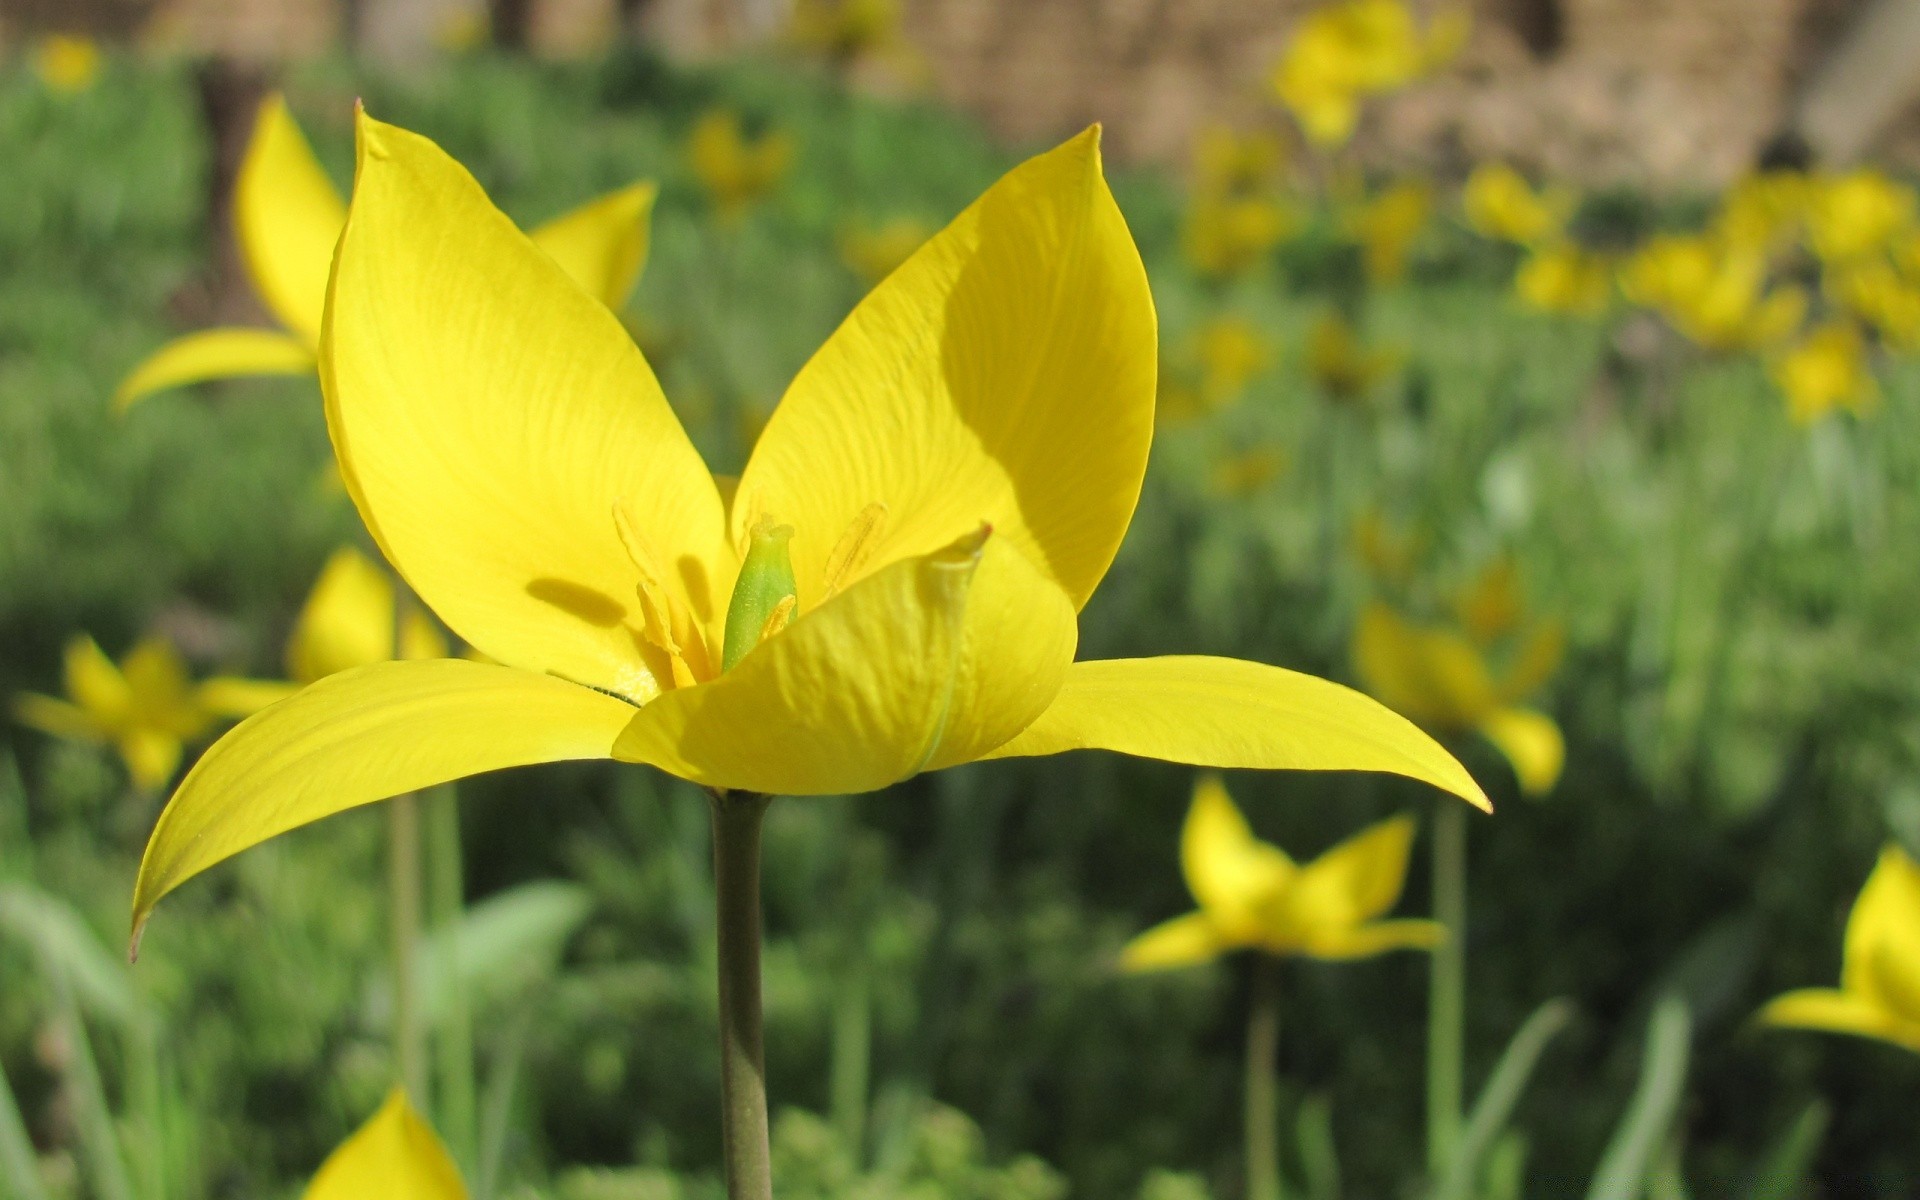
403,888
99,1142
737,818
1630,1156
1498,1098
19,1167
453,1043
1264,1181
850,1070
1447,994
502,1081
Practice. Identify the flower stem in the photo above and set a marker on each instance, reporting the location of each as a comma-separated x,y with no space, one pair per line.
1264,1181
453,1043
1447,994
403,887
737,818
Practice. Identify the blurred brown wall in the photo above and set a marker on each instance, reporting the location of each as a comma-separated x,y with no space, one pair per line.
1652,91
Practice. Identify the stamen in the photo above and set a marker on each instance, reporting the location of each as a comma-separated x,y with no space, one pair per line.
849,554
658,612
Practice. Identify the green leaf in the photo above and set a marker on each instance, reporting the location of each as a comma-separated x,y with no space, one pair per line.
1783,1175
1624,1169
1494,1108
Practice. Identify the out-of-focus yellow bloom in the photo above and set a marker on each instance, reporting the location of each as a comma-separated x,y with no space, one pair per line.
893,586
873,251
394,1156
347,622
1879,295
1446,682
1230,235
1244,473
1388,552
1500,203
1828,369
1387,225
1211,369
1763,210
462,30
737,170
1879,992
1341,365
1230,162
1857,213
1252,896
147,707
843,31
67,63
1562,277
1350,50
287,217
1492,604
1714,293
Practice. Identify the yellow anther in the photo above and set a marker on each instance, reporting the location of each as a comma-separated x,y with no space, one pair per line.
666,625
779,618
850,553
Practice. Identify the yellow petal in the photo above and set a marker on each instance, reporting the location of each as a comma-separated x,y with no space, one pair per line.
151,756
95,684
1223,712
602,244
287,216
57,717
1229,871
163,693
229,696
1532,743
1840,1012
394,1156
214,354
1182,942
1004,373
1375,937
924,664
1434,676
489,415
1349,885
347,621
362,736
1882,963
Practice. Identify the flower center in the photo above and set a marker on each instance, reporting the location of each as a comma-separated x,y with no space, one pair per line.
764,596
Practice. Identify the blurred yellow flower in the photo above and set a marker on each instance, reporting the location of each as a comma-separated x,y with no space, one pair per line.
1445,681
843,31
1227,236
736,170
892,586
1387,226
873,251
1353,49
1492,604
1714,293
1879,992
1857,213
1388,552
67,63
1252,896
394,1156
1340,364
1827,369
348,618
287,217
1211,369
1761,211
1875,292
1247,472
147,707
1501,204
1230,162
1562,277
462,30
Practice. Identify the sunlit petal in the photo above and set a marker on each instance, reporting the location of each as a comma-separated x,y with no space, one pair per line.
603,243
1840,1012
1354,882
1004,373
287,216
1532,743
1220,712
1181,942
362,736
214,354
394,1156
1882,963
1229,871
923,664
489,415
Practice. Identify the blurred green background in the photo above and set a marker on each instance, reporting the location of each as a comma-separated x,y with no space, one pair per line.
1738,695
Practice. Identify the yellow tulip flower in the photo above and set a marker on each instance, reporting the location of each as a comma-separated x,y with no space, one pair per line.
1501,204
1445,681
1857,213
1561,277
844,31
147,707
1343,366
1881,296
1227,236
67,63
1387,226
1713,292
1828,369
874,252
287,217
1244,473
1389,551
395,1156
347,622
1879,992
1762,210
1252,896
737,171
1350,50
892,587
1230,162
